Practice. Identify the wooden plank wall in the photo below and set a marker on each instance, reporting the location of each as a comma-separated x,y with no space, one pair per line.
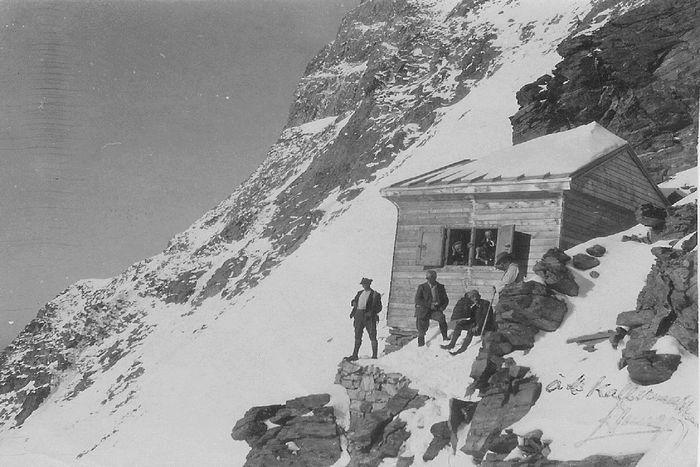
619,181
538,217
586,217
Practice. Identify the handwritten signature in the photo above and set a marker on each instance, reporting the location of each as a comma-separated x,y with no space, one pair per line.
622,414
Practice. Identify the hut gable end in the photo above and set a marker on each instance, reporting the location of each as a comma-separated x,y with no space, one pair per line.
618,179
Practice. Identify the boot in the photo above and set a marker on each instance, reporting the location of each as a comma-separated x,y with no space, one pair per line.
375,348
465,345
453,342
353,357
421,341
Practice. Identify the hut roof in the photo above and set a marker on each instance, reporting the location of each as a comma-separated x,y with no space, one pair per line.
557,155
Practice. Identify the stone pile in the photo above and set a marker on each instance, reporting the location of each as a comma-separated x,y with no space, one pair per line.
376,398
305,433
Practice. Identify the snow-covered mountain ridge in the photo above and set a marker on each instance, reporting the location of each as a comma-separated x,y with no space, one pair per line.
250,301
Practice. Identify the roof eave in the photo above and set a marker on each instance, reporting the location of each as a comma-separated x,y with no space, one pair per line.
550,185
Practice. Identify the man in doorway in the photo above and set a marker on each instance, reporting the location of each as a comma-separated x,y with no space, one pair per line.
471,314
511,271
365,310
431,301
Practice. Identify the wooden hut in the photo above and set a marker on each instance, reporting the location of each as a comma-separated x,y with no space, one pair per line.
554,191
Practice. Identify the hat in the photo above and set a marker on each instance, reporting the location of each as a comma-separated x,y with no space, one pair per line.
366,281
503,257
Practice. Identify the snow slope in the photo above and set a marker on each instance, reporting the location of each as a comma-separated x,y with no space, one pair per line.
174,396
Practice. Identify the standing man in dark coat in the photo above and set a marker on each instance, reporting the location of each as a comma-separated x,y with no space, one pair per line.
472,314
365,310
431,300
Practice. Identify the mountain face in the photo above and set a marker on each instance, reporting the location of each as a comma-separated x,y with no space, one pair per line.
636,75
253,288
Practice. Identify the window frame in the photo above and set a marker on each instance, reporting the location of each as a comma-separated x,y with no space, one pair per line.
471,253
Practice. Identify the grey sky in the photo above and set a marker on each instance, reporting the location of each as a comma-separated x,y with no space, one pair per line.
121,122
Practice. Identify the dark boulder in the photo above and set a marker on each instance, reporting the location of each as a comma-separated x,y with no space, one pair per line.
524,288
370,430
542,312
648,367
681,221
395,434
584,262
650,215
497,411
556,275
691,243
308,403
596,250
441,438
505,443
461,412
558,254
252,426
594,274
319,425
307,435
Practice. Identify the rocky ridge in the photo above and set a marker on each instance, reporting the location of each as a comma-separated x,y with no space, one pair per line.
668,303
636,75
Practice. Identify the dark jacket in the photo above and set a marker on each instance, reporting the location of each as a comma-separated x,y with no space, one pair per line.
475,313
374,303
462,310
424,300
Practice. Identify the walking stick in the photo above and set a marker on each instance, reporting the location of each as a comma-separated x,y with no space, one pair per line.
488,313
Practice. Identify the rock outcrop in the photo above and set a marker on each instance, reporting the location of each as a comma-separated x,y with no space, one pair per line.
305,435
508,390
667,305
508,396
636,75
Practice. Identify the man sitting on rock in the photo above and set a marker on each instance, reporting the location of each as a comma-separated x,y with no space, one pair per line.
365,310
471,314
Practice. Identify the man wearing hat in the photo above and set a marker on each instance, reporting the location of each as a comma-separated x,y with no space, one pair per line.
505,263
471,314
365,310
